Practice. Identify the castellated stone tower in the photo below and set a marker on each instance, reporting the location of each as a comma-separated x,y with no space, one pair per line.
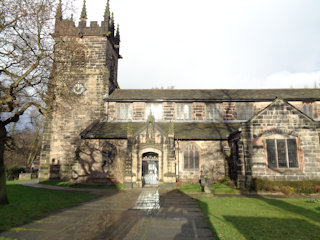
86,63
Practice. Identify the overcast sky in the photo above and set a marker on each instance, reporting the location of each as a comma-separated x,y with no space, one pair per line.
210,44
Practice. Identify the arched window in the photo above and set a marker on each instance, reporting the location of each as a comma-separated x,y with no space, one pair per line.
191,158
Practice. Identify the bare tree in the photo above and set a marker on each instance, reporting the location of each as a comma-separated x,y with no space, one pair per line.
26,63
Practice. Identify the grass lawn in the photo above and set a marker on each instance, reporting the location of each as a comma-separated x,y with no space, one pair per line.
218,188
190,188
244,218
28,203
77,185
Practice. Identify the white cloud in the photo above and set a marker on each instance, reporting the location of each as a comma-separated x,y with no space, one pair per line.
296,80
215,43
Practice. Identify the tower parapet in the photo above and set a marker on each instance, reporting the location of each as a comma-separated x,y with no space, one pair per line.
106,28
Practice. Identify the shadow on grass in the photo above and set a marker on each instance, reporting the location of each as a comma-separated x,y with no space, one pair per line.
204,208
30,203
249,219
79,185
292,208
274,228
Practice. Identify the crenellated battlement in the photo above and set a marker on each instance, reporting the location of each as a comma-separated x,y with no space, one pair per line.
106,28
68,28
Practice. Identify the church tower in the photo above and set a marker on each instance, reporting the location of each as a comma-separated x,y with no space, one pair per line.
85,72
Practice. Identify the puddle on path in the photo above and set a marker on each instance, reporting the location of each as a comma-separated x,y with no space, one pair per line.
148,200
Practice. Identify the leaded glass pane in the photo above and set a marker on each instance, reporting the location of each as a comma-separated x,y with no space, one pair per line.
126,111
119,111
250,111
310,111
185,111
282,156
196,159
191,160
208,108
130,112
304,109
185,159
292,153
271,152
243,112
189,112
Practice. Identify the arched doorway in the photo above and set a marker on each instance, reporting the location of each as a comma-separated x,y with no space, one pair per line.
150,166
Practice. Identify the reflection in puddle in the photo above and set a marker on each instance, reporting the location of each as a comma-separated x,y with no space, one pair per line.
148,200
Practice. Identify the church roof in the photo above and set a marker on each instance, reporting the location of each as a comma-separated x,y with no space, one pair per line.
182,131
186,95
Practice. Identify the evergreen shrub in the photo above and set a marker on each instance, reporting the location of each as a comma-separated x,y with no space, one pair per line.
13,172
287,187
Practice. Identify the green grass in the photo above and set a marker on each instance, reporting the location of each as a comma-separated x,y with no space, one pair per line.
262,218
56,183
190,188
220,188
28,203
10,182
77,185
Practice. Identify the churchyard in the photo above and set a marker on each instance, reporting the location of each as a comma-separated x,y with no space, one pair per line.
231,214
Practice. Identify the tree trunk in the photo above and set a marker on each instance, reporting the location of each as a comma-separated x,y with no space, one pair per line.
3,192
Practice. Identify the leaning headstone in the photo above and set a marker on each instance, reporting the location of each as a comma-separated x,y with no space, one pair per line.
205,184
24,176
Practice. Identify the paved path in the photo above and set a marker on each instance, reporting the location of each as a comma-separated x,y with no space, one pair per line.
123,215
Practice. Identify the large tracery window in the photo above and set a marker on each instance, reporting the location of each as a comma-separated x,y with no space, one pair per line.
282,153
191,158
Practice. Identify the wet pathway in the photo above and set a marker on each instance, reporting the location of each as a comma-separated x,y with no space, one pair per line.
129,214
148,199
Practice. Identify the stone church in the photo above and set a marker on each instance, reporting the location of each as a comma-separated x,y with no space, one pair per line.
144,137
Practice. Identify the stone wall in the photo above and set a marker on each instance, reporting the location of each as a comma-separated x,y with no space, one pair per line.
73,112
168,111
100,162
212,157
282,121
199,111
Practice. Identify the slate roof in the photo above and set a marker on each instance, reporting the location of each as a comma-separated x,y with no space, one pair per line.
183,131
213,95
